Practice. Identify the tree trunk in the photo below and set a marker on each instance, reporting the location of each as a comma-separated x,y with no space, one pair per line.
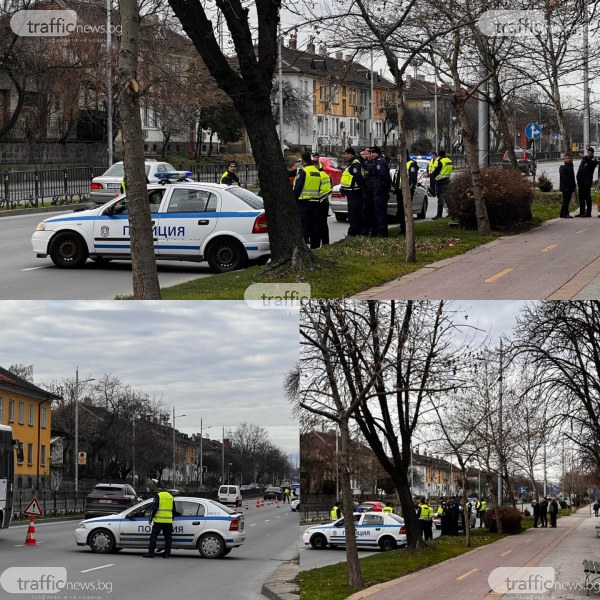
143,261
483,223
504,130
413,529
355,579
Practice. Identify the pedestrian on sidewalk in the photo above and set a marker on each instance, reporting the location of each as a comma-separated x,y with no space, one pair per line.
596,508
567,186
536,513
544,513
553,511
585,179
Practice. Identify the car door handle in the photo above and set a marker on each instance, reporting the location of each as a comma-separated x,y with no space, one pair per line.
195,522
203,222
153,223
377,528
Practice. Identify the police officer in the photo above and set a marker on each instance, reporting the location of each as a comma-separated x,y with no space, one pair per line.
425,516
413,174
307,190
585,179
441,176
433,161
161,519
230,177
352,184
388,509
380,183
482,510
368,214
334,513
323,201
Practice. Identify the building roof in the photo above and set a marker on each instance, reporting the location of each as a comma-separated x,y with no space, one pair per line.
416,88
322,66
12,382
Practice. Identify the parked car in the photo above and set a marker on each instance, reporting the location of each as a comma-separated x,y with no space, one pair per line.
437,521
371,506
339,204
331,166
373,530
273,493
524,159
108,499
209,527
108,185
295,504
230,494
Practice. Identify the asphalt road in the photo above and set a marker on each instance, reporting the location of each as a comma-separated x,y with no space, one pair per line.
271,539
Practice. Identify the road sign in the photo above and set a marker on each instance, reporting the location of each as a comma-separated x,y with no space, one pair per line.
82,458
533,131
33,508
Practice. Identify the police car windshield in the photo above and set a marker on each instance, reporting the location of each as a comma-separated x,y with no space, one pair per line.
252,200
227,509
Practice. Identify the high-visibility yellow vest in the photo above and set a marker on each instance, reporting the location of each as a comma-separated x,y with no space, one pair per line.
483,505
312,183
347,177
388,510
164,514
447,167
123,184
432,165
333,513
325,185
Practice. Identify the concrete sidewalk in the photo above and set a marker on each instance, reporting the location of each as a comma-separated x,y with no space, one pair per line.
466,576
560,260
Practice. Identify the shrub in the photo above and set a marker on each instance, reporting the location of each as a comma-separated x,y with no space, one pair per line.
507,196
526,513
544,183
510,518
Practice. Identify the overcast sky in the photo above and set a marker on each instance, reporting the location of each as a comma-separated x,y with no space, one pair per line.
221,362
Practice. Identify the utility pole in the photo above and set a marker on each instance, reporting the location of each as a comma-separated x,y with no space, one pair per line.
586,77
281,142
545,473
500,434
76,432
372,108
109,106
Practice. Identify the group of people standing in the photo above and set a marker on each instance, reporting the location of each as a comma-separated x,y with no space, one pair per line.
452,515
569,182
546,507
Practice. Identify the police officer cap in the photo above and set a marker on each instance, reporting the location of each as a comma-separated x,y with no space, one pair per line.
591,150
350,151
375,149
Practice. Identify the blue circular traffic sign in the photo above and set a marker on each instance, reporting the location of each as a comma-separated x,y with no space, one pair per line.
533,131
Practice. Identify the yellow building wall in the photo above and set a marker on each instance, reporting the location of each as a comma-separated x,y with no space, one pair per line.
26,427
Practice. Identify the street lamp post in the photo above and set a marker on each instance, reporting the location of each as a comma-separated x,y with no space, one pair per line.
175,444
201,454
77,382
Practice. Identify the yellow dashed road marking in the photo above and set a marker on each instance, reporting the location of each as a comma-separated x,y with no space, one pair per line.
505,553
549,248
467,574
498,275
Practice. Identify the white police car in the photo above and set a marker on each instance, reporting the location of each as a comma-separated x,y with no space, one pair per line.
223,225
373,530
200,524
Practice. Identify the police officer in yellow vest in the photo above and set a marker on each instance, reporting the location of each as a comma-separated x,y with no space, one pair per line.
482,509
323,200
161,518
433,162
353,185
425,516
388,508
230,177
335,513
307,190
441,176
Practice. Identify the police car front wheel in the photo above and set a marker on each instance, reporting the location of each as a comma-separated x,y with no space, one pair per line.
226,254
68,250
318,541
102,541
211,545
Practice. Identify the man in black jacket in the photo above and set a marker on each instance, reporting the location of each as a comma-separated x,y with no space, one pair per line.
585,178
567,185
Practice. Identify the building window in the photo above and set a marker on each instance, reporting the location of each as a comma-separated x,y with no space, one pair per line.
43,455
11,411
44,417
31,417
20,453
29,454
1,409
21,413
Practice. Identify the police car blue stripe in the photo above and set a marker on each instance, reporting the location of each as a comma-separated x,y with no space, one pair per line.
213,215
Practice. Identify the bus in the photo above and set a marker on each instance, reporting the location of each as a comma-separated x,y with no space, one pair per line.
7,475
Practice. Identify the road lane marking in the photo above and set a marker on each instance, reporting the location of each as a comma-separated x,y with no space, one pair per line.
33,268
467,574
96,568
549,248
505,553
252,525
267,520
498,275
581,231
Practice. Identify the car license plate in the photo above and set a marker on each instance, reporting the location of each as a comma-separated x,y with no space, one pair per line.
113,186
105,501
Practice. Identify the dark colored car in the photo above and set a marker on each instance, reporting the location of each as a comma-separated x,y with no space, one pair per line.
524,159
109,499
273,493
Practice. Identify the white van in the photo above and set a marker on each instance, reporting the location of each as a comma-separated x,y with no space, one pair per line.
230,494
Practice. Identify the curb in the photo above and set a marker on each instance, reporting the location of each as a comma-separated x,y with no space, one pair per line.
282,584
13,212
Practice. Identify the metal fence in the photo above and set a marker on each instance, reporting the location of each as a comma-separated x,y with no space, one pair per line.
23,189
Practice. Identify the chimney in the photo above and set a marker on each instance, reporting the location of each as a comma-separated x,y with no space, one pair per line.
339,55
293,43
323,50
310,48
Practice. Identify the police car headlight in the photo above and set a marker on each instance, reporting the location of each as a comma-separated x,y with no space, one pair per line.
41,226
